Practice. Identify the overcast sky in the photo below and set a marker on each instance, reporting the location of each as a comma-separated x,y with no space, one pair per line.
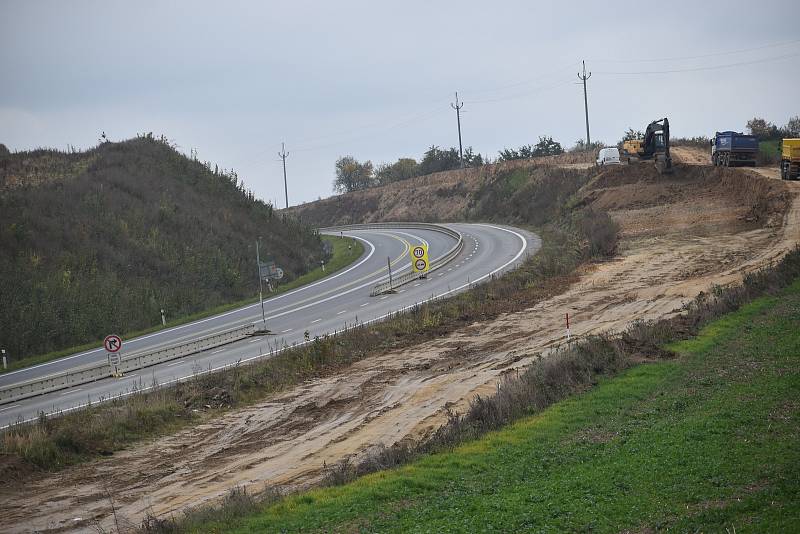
375,79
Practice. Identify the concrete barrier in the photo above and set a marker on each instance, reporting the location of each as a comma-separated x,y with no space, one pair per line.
404,278
99,370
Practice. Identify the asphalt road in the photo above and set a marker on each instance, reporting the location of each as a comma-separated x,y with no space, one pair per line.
322,307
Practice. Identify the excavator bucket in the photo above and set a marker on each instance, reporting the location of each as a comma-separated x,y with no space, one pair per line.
664,164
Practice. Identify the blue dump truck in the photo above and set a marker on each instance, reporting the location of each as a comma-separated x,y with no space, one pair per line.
733,148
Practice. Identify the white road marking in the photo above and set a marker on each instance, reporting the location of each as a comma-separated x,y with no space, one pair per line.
415,285
238,310
450,291
253,340
316,321
287,330
367,303
402,291
175,363
341,312
9,407
218,351
385,297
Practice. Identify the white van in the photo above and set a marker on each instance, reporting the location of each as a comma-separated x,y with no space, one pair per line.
608,156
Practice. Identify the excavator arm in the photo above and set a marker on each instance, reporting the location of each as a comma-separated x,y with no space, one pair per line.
656,146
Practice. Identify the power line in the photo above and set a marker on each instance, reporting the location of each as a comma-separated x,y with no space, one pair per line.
701,56
519,95
458,107
699,69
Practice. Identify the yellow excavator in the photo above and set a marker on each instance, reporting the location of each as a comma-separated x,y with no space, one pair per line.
654,146
631,147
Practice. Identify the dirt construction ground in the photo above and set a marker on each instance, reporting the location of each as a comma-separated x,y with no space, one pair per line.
680,234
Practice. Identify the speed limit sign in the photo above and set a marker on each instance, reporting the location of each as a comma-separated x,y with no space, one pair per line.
419,258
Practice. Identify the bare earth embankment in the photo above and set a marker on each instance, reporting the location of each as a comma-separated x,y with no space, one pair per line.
442,196
680,234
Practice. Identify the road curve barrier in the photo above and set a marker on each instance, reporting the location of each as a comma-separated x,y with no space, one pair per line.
404,278
99,370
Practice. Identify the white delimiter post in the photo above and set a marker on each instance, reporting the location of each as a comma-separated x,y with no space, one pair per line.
5,363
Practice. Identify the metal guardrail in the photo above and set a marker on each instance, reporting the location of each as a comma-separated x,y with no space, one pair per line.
97,371
405,278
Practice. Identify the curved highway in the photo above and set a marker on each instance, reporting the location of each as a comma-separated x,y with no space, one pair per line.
319,308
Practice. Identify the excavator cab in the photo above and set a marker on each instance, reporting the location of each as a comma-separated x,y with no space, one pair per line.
656,145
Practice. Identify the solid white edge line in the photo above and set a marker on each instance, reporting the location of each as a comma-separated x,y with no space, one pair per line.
201,321
245,360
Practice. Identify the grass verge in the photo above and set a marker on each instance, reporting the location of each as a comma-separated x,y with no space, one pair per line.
702,438
342,257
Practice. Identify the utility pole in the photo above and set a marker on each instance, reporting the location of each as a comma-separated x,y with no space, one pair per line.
260,284
283,155
458,107
583,78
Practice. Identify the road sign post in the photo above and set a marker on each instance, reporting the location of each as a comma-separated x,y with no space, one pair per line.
113,346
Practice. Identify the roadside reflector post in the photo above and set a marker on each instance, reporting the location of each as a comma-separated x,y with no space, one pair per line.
568,334
163,318
5,362
389,263
322,262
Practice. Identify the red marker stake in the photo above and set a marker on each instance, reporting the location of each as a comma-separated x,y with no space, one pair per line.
568,336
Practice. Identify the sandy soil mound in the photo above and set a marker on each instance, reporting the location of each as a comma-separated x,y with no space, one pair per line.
681,234
691,155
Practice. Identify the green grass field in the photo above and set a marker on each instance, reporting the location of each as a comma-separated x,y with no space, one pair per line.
705,442
342,257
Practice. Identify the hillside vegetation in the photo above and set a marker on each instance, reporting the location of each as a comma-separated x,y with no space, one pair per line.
100,241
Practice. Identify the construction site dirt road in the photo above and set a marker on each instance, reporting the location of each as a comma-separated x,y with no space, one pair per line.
680,235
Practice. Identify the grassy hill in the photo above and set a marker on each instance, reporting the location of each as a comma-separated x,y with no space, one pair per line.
100,241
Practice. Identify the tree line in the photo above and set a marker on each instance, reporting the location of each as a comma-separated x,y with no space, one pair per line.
354,175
